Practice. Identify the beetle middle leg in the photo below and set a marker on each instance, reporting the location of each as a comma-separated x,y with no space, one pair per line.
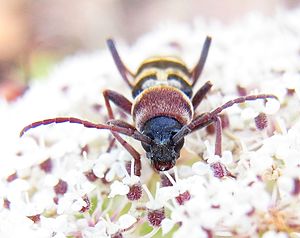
218,143
205,119
200,94
123,103
218,167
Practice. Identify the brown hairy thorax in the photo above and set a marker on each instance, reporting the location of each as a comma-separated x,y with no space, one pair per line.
162,100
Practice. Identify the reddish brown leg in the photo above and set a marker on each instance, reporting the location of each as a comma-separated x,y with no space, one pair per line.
196,72
241,100
218,143
134,133
123,103
207,118
200,94
203,120
120,101
111,144
119,63
218,168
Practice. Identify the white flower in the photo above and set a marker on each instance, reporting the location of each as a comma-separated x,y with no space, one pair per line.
15,225
118,188
111,164
70,203
130,179
126,220
154,203
99,230
193,231
274,234
166,225
272,106
201,168
104,228
60,225
263,199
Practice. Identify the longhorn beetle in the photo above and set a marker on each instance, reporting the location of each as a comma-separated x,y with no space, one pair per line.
162,109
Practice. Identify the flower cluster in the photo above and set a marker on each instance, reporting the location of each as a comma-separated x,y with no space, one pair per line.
68,181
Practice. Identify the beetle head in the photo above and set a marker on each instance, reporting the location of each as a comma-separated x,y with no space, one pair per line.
162,152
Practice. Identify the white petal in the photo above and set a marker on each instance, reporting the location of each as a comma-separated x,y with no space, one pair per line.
99,169
272,106
201,168
78,204
131,180
166,225
118,188
126,221
227,157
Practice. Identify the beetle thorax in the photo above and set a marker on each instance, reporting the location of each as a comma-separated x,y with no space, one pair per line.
162,101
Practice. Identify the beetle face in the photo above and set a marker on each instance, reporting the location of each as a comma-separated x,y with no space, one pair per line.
162,152
163,156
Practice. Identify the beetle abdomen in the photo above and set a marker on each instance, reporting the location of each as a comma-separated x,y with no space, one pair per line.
162,100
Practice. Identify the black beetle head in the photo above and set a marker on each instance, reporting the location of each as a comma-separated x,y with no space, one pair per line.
162,152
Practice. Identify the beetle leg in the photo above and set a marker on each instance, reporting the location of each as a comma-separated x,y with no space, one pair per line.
218,143
205,119
241,100
200,94
218,167
111,143
121,102
130,130
118,99
196,72
125,104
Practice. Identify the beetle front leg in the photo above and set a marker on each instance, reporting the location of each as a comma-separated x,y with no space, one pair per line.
218,167
200,94
120,101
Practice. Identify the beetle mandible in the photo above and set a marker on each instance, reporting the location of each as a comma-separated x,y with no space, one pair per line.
162,109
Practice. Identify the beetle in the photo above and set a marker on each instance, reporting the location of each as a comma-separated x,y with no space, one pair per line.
163,108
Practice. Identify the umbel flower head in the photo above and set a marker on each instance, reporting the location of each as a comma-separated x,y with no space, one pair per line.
69,181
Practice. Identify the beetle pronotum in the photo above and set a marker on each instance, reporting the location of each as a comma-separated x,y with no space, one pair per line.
162,109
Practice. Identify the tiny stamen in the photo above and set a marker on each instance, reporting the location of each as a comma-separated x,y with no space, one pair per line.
150,197
132,167
169,177
261,121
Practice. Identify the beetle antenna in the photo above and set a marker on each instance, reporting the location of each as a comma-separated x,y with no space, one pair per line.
196,72
119,63
132,132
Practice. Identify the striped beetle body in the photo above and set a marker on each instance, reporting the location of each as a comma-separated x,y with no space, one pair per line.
162,109
162,105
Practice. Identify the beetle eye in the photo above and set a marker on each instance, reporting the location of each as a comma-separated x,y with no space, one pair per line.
146,146
173,133
179,145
